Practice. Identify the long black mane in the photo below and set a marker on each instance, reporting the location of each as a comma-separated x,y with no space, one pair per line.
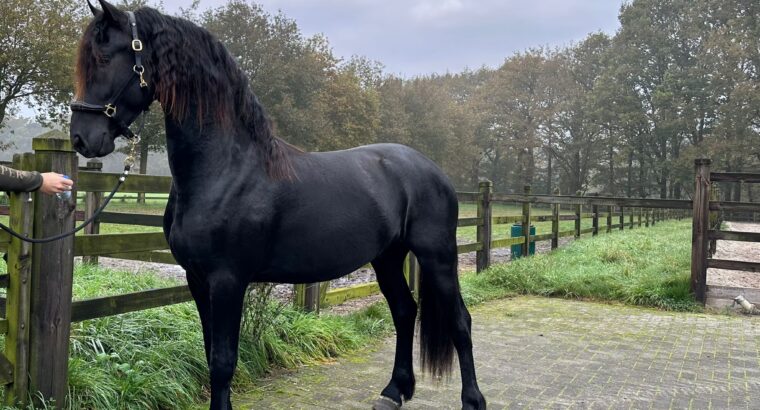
195,78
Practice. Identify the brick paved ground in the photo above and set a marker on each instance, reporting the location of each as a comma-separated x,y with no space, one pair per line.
550,353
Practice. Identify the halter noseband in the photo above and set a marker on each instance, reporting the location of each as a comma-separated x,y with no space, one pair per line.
109,108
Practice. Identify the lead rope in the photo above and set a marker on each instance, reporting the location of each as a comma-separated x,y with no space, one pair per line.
128,163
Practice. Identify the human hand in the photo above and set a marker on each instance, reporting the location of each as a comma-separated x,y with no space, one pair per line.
53,183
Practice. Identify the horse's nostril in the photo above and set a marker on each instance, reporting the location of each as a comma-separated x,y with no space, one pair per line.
78,142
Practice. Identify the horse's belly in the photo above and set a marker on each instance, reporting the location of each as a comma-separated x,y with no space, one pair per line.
313,259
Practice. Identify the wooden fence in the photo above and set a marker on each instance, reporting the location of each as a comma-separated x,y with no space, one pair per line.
706,230
39,306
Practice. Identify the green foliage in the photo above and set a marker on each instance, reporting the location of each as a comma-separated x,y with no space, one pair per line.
36,58
648,267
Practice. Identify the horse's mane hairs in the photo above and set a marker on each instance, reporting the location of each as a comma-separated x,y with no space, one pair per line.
192,71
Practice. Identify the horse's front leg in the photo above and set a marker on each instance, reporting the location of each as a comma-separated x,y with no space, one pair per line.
225,305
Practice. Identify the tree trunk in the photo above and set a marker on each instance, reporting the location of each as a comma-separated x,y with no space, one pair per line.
629,187
576,174
677,190
611,169
549,174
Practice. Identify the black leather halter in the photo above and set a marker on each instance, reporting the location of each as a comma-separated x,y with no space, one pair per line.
109,109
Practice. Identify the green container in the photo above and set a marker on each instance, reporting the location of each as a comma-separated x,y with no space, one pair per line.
516,250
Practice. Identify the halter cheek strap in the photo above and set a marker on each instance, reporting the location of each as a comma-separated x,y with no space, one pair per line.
109,109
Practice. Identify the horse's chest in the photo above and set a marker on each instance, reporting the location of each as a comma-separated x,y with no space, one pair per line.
207,240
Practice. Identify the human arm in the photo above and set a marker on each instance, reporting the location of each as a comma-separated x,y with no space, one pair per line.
28,181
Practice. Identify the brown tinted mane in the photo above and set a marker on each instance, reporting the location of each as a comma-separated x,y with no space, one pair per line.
195,78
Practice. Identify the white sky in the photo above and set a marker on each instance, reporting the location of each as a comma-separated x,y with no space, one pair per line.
412,37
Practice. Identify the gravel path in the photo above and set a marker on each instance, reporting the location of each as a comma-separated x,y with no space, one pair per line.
734,250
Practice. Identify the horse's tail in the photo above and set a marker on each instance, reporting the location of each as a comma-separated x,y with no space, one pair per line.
439,309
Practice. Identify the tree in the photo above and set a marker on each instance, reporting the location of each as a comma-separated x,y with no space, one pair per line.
519,105
287,71
37,54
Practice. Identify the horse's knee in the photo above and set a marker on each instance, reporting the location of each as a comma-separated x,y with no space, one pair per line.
221,371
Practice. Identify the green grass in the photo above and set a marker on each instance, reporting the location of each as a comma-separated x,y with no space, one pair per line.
647,267
155,358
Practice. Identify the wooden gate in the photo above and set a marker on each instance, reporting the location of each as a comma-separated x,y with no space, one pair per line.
707,229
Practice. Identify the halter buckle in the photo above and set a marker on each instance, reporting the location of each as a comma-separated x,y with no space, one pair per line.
137,45
110,110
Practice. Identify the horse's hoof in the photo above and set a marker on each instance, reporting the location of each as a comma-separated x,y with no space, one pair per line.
384,403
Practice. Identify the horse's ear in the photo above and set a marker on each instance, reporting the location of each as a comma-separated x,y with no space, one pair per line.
110,12
95,12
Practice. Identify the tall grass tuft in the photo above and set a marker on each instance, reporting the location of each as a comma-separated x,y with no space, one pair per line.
648,267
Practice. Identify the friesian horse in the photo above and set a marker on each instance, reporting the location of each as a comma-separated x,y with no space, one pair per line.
247,207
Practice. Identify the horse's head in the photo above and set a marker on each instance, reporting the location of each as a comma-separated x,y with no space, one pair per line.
113,87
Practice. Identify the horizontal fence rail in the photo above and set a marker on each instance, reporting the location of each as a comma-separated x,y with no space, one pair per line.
104,182
598,200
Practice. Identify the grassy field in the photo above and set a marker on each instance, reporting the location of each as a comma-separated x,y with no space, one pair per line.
647,267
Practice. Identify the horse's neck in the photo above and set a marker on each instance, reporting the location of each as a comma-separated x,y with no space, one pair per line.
199,158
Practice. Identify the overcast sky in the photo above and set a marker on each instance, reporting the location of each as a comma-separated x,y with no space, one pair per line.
412,37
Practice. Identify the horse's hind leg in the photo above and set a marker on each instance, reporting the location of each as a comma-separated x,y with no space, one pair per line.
389,268
444,317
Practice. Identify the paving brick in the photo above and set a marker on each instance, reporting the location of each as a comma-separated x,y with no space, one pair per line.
540,353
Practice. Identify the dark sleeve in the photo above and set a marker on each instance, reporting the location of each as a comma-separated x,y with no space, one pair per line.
19,181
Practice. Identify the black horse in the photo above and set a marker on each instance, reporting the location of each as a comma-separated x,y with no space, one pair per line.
247,207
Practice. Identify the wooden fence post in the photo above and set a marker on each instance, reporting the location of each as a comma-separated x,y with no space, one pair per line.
700,227
630,218
555,222
413,275
16,369
578,215
714,223
484,230
595,220
646,216
311,297
622,218
526,222
52,274
609,218
92,201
